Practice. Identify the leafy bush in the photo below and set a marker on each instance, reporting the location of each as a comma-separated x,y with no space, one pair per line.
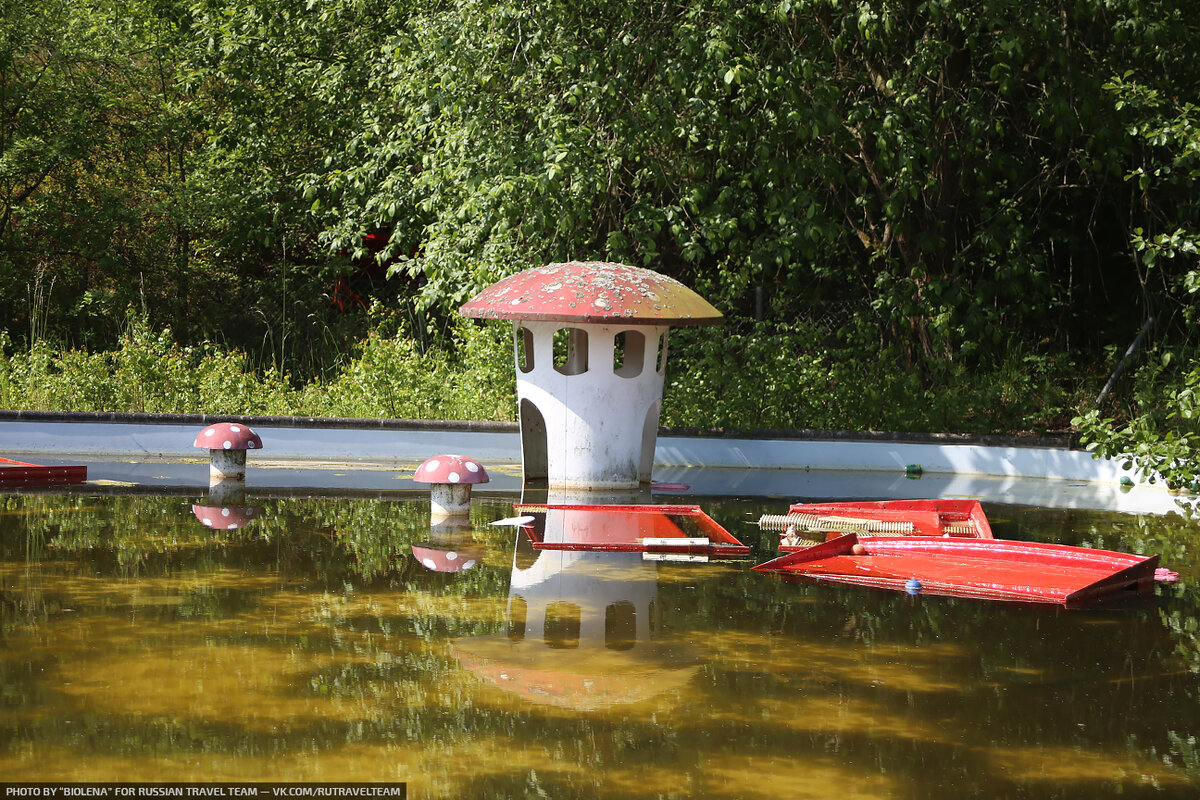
149,373
765,377
787,377
1155,431
465,375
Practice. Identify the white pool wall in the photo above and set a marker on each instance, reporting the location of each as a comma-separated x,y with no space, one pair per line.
410,442
380,455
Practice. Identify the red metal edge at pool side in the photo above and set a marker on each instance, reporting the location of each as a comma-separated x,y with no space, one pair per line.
986,569
19,473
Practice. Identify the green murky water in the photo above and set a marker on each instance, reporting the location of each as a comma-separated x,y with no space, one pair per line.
310,645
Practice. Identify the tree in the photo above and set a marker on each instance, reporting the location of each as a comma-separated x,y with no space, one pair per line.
283,87
947,172
1157,433
92,145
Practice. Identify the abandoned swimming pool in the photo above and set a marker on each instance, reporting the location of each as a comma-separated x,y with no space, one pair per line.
310,645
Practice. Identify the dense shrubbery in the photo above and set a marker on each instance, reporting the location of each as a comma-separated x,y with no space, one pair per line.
992,196
467,376
149,373
762,378
788,377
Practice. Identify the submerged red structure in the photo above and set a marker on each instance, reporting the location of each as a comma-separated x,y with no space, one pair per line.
986,569
20,473
808,524
666,529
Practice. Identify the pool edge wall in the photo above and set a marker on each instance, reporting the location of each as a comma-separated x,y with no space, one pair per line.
301,439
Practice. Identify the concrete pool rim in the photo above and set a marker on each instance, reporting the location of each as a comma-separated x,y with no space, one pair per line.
397,441
154,453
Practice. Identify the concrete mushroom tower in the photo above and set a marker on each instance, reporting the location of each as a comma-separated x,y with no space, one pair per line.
591,355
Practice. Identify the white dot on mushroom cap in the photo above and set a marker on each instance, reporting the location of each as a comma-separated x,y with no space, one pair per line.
234,428
452,556
470,562
429,563
228,444
231,527
250,445
224,512
430,466
207,521
210,431
471,466
452,477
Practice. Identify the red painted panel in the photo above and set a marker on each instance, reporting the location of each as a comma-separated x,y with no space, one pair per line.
19,473
991,569
625,528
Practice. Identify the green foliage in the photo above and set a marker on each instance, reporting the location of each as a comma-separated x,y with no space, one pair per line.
149,373
468,377
1157,435
788,378
93,137
947,168
1156,429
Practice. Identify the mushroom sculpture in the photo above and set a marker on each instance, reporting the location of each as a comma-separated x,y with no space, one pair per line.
450,478
590,340
227,443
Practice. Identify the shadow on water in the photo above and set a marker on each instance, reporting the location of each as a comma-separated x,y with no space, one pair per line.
310,643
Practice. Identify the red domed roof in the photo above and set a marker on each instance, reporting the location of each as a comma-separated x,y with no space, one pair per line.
592,291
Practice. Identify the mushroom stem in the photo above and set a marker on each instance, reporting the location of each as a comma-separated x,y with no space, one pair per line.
226,465
450,500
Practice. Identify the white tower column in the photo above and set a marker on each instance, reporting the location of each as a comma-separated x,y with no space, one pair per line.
602,406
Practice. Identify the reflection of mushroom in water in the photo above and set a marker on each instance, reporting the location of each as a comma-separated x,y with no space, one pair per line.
227,443
225,518
440,558
451,477
450,548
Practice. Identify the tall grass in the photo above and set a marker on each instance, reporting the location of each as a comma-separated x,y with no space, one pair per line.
467,376
792,377
766,377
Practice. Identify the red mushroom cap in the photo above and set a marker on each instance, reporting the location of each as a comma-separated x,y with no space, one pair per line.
451,469
444,559
224,518
229,436
594,292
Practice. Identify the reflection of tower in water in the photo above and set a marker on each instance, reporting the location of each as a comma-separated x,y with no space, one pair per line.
571,599
583,629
